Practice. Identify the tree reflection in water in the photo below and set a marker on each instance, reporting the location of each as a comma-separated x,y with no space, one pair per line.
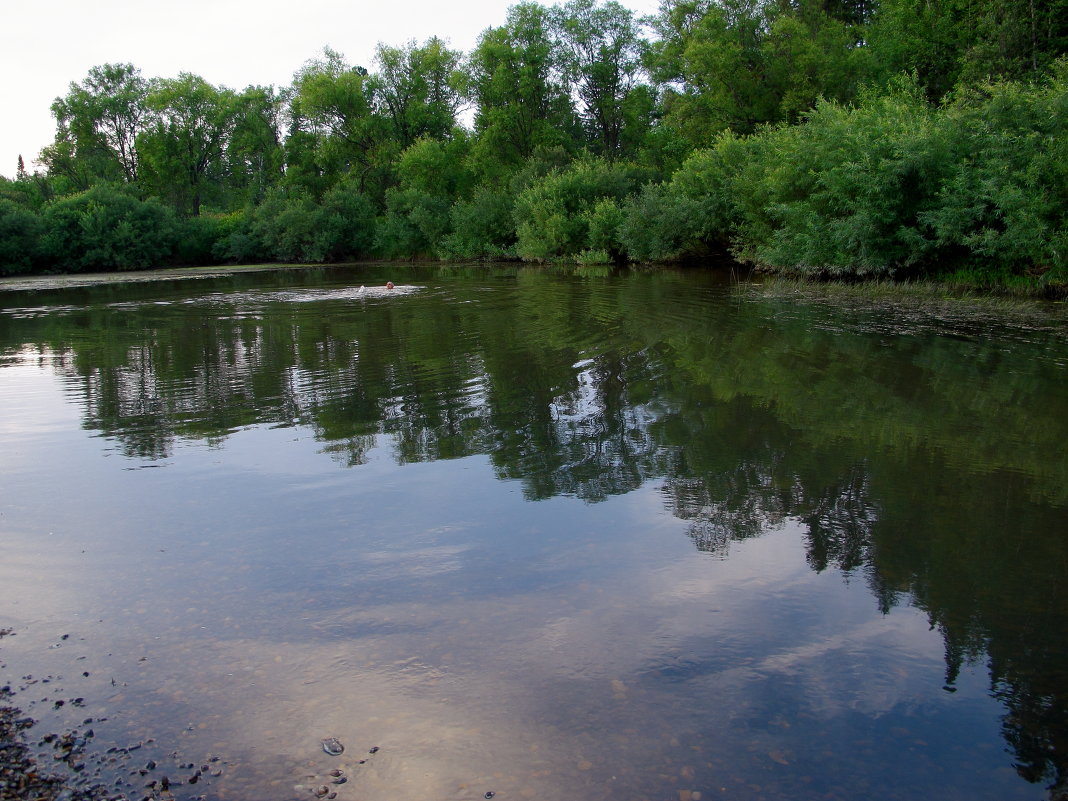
929,466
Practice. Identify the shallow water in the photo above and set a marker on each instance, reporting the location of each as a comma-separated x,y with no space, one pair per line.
548,536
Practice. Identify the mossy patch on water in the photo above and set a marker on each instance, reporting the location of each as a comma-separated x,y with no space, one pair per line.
926,300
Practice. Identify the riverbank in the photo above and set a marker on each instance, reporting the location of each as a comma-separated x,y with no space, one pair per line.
21,777
50,762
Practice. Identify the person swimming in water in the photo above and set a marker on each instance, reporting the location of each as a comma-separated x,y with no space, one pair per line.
389,285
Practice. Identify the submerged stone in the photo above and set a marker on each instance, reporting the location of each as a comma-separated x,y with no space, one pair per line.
333,746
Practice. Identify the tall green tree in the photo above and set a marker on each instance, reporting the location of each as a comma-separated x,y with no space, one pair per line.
182,148
737,64
255,158
97,124
334,124
417,89
951,41
601,57
521,101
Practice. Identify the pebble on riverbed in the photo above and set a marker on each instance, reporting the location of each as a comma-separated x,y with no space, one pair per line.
333,746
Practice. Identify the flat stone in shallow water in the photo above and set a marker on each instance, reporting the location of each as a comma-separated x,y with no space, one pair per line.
333,746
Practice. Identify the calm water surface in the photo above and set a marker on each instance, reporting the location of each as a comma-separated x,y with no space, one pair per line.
643,536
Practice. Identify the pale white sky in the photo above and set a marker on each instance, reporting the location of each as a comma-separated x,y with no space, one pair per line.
231,43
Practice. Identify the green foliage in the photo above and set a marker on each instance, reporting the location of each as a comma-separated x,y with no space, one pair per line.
29,192
254,157
98,122
600,57
660,225
339,136
293,228
843,194
896,187
1004,204
736,64
521,99
482,227
593,258
920,38
436,167
541,162
196,237
346,227
414,225
553,214
106,229
181,150
603,223
698,211
20,238
417,90
282,228
967,41
236,244
798,134
891,186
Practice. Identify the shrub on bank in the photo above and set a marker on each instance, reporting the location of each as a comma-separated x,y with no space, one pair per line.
346,225
106,228
414,225
197,237
1003,207
844,193
21,232
889,187
294,228
482,227
553,214
697,211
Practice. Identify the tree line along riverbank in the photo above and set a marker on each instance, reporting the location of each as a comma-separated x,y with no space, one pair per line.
820,138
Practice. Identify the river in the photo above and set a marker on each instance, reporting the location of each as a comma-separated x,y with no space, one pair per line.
531,534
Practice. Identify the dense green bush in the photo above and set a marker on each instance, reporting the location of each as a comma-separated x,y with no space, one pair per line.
844,194
895,186
197,237
20,238
346,225
482,227
1004,204
284,228
697,211
603,223
414,225
553,214
105,229
239,245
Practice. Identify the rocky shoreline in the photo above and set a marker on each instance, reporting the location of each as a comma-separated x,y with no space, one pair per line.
21,777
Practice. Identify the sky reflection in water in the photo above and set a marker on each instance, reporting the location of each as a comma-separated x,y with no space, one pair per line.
461,526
